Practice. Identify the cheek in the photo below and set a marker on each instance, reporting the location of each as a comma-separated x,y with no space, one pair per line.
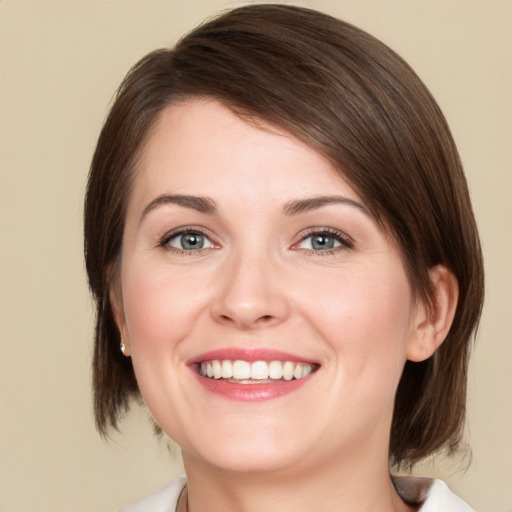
160,307
366,319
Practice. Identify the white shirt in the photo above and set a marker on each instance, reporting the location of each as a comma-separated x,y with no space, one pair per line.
435,494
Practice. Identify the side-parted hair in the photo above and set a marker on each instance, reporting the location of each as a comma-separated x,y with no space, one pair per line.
355,101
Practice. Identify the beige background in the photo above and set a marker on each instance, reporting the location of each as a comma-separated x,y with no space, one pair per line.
60,64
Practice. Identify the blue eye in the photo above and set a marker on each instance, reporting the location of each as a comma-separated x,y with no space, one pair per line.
325,241
188,241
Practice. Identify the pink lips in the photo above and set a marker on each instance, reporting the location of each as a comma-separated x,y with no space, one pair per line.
249,355
232,390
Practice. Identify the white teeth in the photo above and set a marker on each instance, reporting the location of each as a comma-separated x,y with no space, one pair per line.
255,371
217,370
288,368
227,369
241,370
306,370
259,370
275,370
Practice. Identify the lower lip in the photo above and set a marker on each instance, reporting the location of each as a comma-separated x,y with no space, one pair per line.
251,392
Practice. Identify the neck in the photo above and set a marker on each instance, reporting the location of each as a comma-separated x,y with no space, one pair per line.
331,487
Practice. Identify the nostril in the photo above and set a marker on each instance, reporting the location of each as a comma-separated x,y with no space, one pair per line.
264,318
248,322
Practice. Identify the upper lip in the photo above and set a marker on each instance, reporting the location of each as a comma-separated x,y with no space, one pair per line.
245,354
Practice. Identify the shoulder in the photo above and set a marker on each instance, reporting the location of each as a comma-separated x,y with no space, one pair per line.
163,500
433,495
441,498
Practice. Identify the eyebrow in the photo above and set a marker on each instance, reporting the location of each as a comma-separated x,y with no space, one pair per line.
304,205
207,205
198,203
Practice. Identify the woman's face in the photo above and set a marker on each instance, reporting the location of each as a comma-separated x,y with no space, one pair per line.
246,254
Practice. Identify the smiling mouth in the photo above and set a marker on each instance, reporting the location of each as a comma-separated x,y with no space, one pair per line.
254,372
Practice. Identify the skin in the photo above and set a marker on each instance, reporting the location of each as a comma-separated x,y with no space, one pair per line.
258,282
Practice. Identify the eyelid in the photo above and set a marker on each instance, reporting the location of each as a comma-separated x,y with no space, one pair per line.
347,242
163,242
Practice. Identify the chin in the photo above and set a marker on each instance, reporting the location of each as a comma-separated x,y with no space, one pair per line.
250,463
250,450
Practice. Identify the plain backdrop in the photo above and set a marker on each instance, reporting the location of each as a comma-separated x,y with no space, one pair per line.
61,62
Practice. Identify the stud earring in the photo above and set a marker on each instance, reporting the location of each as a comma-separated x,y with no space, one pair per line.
123,348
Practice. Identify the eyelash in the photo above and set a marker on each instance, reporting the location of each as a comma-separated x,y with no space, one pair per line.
165,240
346,242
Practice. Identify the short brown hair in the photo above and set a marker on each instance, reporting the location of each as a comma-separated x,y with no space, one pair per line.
355,101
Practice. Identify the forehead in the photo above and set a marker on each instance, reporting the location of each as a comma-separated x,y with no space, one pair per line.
202,147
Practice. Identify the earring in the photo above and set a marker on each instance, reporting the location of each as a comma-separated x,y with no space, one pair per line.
123,348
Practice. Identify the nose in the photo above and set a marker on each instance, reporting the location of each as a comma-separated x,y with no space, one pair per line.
251,295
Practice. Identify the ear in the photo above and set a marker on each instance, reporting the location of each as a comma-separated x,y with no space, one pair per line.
116,303
431,324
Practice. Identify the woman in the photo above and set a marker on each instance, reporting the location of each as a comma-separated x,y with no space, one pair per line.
286,266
